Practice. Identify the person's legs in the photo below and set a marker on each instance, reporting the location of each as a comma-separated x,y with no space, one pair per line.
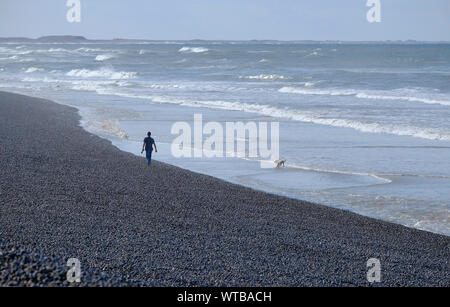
149,157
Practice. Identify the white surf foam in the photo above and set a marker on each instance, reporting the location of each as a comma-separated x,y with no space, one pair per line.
27,60
32,80
193,49
164,86
109,127
265,77
102,73
104,57
33,69
19,52
84,49
9,51
405,98
311,84
296,115
95,86
16,58
314,53
59,50
302,91
363,95
322,170
50,50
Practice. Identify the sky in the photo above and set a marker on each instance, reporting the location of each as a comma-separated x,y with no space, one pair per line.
229,19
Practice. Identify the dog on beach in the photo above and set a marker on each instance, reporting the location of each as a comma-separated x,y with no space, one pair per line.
280,163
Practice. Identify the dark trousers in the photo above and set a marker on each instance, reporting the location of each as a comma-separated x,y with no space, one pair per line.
148,155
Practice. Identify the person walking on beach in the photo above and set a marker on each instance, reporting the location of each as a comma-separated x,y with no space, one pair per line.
149,142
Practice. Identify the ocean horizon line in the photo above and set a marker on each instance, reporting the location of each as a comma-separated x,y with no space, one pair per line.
80,39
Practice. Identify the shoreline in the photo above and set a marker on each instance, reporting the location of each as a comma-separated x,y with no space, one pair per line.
124,145
81,195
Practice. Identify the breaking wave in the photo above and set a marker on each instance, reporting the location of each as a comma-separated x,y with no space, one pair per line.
297,115
164,86
265,77
97,85
33,69
363,95
84,49
104,57
58,50
193,49
406,98
102,73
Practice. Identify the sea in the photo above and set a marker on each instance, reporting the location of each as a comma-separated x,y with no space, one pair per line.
362,127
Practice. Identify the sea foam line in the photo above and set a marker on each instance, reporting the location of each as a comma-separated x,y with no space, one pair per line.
102,73
265,77
321,170
362,95
297,115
